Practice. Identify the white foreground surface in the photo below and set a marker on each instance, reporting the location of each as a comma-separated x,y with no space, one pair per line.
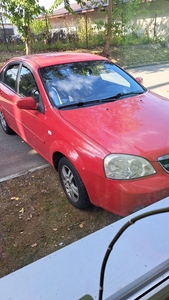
74,271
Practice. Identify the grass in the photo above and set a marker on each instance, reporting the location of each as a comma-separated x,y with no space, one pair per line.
37,219
122,55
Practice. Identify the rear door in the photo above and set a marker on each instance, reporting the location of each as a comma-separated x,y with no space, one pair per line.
8,93
17,81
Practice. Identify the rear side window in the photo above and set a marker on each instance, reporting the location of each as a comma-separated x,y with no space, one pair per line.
10,76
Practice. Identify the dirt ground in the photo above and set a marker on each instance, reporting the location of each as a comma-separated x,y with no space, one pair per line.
36,218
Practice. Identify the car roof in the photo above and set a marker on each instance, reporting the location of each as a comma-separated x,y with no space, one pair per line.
47,59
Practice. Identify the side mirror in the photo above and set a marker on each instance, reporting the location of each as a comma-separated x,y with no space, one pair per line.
27,103
140,80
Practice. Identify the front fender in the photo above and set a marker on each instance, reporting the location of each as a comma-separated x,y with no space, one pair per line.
87,158
61,148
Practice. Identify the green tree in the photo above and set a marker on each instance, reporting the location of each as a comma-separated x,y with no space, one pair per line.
56,3
41,27
118,16
21,13
84,30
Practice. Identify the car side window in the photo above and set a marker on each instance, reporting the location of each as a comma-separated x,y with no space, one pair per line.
28,88
27,84
10,76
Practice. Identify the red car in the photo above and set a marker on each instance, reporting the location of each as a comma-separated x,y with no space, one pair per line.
104,133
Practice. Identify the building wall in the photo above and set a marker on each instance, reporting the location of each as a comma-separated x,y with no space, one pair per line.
154,22
9,28
151,20
70,21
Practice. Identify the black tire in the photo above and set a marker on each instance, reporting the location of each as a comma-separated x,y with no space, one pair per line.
4,124
72,184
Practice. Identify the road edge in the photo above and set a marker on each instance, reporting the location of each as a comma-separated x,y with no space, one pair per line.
24,172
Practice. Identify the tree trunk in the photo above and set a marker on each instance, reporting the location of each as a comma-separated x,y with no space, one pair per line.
86,20
27,47
28,41
109,26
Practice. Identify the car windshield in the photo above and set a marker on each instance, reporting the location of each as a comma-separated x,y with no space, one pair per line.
87,83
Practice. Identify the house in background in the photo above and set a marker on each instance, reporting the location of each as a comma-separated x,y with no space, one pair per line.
6,29
151,20
62,19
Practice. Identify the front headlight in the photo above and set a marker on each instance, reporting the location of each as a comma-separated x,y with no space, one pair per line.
123,166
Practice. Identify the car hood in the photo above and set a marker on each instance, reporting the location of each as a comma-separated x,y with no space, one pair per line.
137,125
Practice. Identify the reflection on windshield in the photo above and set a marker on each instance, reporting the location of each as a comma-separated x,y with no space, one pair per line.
85,82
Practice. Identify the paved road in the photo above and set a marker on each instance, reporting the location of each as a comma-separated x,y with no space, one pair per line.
155,78
16,156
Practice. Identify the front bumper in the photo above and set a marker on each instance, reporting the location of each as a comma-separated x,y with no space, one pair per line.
124,197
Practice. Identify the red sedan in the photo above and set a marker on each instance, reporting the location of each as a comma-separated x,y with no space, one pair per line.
106,135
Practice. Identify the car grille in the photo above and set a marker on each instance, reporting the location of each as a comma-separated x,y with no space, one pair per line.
164,162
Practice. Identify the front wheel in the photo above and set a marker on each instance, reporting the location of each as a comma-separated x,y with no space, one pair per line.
4,124
72,184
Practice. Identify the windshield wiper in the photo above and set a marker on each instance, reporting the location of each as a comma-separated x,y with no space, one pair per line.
92,102
79,104
119,95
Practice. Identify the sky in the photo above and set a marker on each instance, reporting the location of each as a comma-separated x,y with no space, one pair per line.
46,3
